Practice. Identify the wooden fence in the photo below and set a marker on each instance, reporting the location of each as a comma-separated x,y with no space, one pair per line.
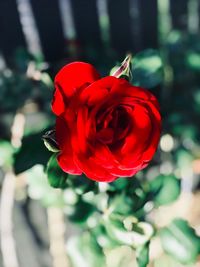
51,26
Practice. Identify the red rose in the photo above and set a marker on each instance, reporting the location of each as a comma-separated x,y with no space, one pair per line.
106,128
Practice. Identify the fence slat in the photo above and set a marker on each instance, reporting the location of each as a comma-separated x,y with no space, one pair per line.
120,25
50,30
10,29
148,11
179,13
86,23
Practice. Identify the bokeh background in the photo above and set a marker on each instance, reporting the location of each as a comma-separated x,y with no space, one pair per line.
38,37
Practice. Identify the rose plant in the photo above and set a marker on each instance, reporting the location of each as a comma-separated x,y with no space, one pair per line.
108,129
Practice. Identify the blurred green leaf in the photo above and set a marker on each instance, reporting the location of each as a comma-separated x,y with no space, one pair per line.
39,188
119,184
6,151
84,251
56,177
193,60
103,239
147,69
81,184
142,255
164,189
32,152
134,234
125,203
180,241
80,212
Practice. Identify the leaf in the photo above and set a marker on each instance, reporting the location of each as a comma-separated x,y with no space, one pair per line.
180,241
39,188
137,234
6,150
147,70
32,152
81,184
80,212
56,177
103,239
84,251
164,189
142,255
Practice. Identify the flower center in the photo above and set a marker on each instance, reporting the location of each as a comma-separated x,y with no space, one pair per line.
112,125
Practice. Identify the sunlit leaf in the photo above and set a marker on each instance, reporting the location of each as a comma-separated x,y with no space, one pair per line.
180,241
147,69
6,152
164,189
137,235
84,251
39,188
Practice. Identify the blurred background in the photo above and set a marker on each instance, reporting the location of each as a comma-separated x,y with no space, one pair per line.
38,37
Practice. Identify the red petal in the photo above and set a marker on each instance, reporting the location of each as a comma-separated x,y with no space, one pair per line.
73,76
98,91
65,158
94,171
58,105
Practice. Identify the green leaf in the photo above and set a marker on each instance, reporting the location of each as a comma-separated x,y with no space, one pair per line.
39,188
142,255
193,60
32,152
84,251
80,212
56,177
7,151
164,189
133,234
180,241
81,184
103,238
147,69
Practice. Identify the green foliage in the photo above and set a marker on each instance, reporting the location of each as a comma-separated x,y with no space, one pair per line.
56,177
142,255
113,215
6,158
84,251
80,212
164,189
39,188
147,69
81,184
31,152
180,241
103,238
128,231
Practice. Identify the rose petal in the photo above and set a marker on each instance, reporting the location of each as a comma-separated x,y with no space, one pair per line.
58,106
93,170
98,91
73,76
65,158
